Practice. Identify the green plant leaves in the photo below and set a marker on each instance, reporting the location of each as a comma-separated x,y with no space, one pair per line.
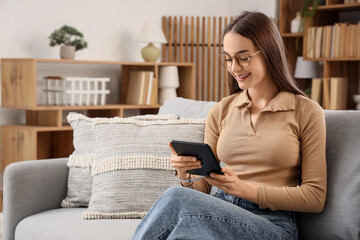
69,36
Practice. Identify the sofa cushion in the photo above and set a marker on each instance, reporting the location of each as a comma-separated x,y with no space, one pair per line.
67,223
81,160
132,168
340,218
186,108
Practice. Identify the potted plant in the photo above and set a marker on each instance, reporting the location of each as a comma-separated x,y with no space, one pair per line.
70,40
307,12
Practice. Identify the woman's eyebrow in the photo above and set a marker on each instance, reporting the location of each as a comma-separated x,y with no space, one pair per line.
241,51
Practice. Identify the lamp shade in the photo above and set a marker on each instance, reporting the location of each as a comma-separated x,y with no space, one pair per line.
151,33
306,69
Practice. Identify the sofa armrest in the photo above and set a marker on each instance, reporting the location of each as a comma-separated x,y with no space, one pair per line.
32,187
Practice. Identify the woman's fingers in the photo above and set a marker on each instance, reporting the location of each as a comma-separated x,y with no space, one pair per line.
173,152
183,163
184,159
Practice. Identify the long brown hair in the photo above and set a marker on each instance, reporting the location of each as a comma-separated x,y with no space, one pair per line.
262,32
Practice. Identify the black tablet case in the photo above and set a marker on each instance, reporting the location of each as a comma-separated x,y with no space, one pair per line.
202,152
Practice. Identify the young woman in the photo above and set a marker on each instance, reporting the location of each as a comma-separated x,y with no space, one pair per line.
272,140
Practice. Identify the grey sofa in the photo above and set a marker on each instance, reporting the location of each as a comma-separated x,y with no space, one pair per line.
33,190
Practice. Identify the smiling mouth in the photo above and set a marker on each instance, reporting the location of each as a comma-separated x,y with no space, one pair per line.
242,77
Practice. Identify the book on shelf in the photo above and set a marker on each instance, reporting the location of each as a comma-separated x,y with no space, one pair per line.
351,1
316,90
342,39
334,94
328,38
318,41
336,45
136,82
326,93
141,88
338,93
338,41
311,42
151,89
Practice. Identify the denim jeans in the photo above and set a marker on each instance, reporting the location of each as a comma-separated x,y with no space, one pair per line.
183,213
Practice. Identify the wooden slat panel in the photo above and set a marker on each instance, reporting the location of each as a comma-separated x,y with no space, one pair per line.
197,68
186,39
170,40
208,59
203,60
164,46
214,98
192,40
181,40
221,80
175,39
225,91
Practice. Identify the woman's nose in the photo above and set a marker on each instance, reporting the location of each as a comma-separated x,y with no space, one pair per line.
235,66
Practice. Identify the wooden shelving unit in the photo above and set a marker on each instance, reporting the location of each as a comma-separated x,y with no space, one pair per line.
327,14
45,133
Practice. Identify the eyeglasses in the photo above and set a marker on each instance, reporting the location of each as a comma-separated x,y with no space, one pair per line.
243,59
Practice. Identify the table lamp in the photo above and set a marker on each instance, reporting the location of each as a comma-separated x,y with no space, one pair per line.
306,69
168,83
151,33
309,70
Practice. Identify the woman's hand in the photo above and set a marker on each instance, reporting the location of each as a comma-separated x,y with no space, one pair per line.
231,184
183,163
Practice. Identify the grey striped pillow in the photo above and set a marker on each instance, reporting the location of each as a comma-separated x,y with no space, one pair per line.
81,160
132,164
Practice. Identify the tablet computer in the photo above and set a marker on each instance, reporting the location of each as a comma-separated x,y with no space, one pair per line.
202,152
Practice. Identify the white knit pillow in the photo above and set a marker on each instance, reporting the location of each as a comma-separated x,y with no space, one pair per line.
132,164
81,160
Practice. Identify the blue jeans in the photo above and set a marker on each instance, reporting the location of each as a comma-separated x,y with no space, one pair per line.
183,213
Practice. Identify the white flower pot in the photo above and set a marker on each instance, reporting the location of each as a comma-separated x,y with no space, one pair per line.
67,52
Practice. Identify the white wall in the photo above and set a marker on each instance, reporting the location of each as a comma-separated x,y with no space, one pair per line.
109,26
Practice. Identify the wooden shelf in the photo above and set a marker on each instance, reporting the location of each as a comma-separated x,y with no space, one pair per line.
45,135
339,7
325,15
85,107
333,59
67,127
292,35
104,62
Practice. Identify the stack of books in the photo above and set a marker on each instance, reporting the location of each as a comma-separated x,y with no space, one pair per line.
351,1
142,88
334,41
330,93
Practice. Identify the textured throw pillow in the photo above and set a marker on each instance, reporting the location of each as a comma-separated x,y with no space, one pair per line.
132,165
340,218
81,160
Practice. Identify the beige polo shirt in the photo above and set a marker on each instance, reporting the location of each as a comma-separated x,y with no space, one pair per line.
284,153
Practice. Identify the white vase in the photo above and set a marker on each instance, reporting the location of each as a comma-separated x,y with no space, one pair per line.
67,52
296,24
168,83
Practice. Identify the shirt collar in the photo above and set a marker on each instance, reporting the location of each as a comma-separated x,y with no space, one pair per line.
283,101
